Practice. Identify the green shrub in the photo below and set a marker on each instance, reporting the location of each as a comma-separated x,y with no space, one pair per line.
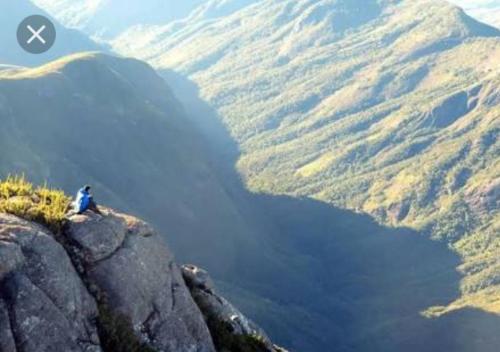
116,332
226,340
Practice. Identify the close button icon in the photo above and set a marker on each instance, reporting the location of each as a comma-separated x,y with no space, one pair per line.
36,34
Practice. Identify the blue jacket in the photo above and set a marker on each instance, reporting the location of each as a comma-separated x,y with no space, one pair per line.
82,201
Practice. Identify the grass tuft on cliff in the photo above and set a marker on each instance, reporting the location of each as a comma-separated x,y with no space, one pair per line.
40,204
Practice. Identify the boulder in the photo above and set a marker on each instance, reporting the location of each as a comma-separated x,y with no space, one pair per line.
44,305
133,275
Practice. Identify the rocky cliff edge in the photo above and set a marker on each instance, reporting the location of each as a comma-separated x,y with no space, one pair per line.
109,283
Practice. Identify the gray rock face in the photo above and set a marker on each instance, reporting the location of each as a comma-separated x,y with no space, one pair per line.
109,283
134,275
44,305
232,331
7,342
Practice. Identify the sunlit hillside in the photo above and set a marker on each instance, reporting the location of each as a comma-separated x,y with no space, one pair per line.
389,108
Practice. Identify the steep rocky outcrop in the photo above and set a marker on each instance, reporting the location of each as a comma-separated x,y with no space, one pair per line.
132,275
105,283
232,331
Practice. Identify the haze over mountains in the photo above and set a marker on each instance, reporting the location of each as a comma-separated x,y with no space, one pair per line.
374,106
108,18
68,41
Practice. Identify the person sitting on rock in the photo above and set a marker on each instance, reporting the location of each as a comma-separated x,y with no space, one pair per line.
84,201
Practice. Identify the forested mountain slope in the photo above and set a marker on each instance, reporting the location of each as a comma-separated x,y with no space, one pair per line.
113,123
385,107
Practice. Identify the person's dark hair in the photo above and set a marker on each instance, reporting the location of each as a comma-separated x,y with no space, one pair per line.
87,188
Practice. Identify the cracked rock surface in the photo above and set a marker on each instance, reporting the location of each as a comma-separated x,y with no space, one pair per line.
135,275
44,305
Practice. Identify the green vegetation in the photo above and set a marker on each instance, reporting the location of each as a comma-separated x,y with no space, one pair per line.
393,117
226,341
40,204
116,333
112,122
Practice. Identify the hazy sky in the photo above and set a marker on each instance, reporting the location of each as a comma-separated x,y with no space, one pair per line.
485,10
75,10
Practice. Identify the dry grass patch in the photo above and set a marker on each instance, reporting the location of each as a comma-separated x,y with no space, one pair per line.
40,204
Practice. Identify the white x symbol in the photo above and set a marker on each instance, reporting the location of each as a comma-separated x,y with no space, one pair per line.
36,34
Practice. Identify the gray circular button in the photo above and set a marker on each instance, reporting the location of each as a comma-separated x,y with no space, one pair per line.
36,34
